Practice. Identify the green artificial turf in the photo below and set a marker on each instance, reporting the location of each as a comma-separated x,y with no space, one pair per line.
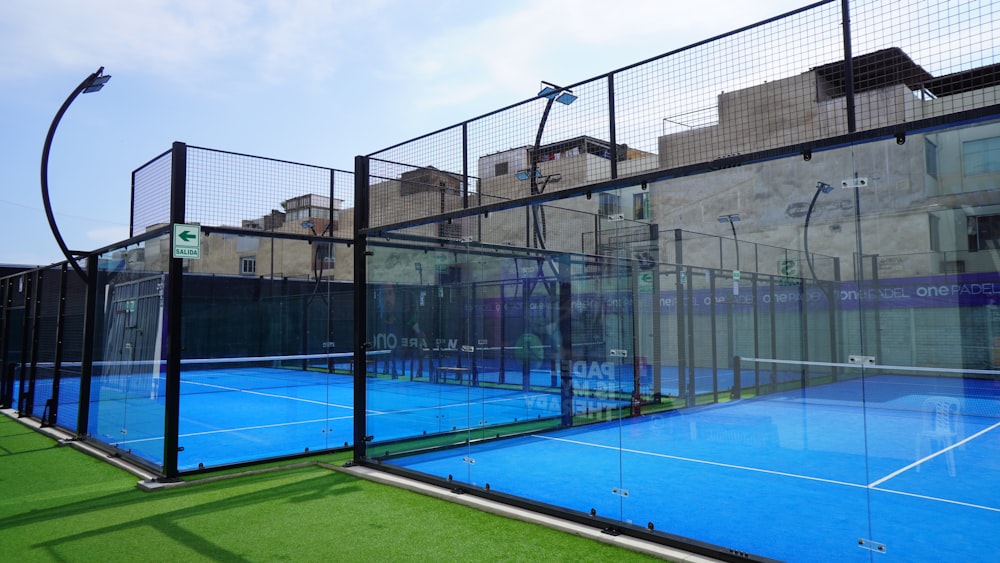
58,504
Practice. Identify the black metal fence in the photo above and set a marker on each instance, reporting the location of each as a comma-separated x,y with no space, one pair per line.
233,190
704,107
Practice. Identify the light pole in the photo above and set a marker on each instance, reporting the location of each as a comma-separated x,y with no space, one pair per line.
732,218
824,188
92,83
553,94
539,232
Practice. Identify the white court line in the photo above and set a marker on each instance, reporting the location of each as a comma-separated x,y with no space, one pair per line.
241,429
272,395
932,456
706,462
939,499
263,426
513,399
873,486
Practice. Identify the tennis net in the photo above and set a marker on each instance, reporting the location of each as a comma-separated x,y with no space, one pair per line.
863,382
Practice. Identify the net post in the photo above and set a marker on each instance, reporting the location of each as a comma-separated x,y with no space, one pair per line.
737,392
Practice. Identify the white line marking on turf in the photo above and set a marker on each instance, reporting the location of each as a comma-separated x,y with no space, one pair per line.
241,429
706,462
496,400
933,455
873,486
939,499
272,395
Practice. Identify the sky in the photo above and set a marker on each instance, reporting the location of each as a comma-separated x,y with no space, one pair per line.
310,81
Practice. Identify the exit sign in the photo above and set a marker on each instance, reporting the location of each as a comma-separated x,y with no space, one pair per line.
187,241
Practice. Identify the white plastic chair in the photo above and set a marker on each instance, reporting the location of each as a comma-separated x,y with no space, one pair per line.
941,427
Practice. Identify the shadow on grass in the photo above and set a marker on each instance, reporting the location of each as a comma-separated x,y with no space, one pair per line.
6,452
169,522
19,439
136,498
11,430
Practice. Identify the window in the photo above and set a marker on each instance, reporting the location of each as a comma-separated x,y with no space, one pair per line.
500,169
934,228
609,204
984,232
930,158
640,206
248,265
247,244
981,157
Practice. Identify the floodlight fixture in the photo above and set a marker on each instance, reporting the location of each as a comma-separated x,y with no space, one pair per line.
523,175
97,82
824,187
564,96
551,93
308,224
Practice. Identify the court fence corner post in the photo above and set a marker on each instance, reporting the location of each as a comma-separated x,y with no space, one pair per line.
174,295
361,204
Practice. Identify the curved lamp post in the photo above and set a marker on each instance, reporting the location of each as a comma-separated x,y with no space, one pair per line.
824,188
732,218
553,94
92,83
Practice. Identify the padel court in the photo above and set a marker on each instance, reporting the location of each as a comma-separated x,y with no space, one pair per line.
235,410
794,472
742,297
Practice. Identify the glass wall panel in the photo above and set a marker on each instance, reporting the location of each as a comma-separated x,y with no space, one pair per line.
761,303
127,385
266,367
71,344
15,319
49,344
41,375
926,296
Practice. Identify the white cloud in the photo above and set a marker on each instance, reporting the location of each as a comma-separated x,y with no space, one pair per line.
183,40
107,235
563,41
449,52
151,34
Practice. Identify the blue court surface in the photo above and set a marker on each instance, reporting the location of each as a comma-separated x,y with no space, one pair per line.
840,471
809,472
232,414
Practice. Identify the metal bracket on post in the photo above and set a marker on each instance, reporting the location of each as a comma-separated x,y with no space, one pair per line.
854,183
871,545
